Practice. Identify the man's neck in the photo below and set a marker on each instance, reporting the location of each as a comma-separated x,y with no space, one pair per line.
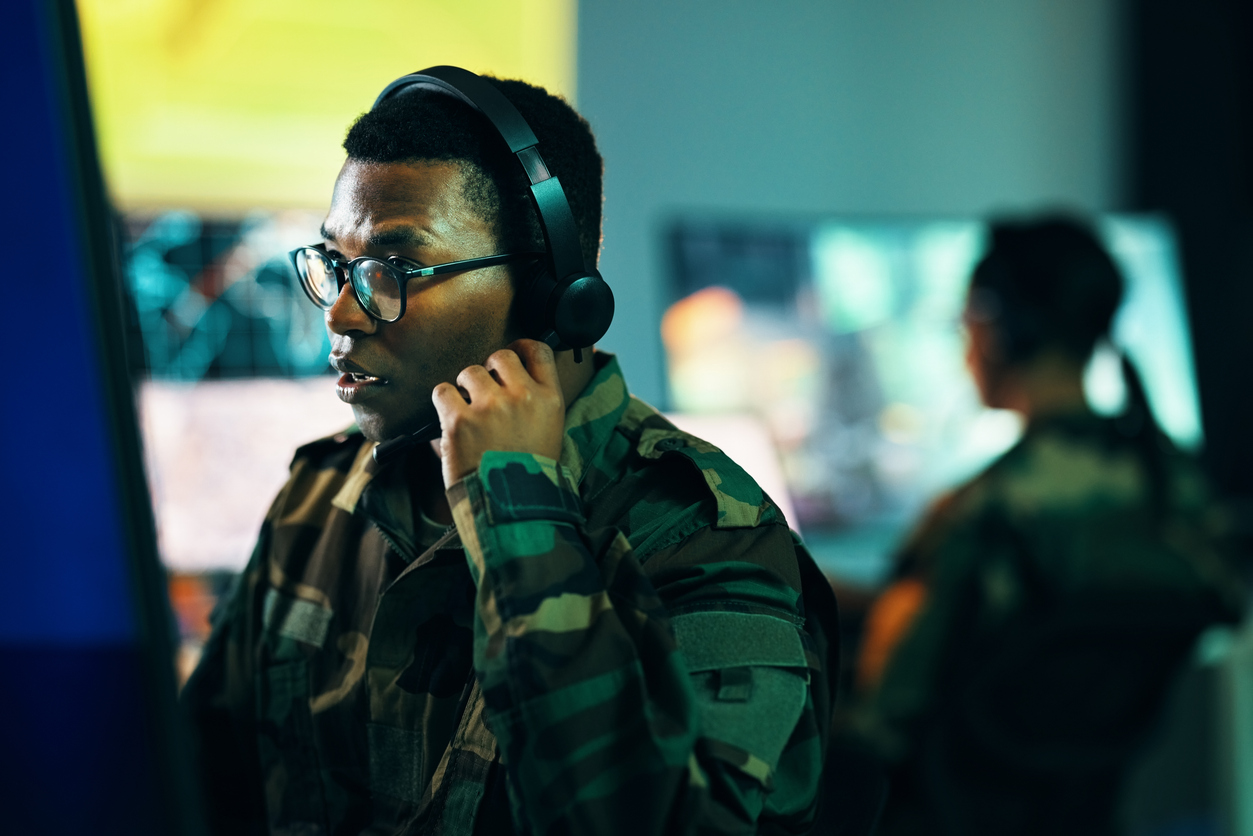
1049,385
575,376
427,485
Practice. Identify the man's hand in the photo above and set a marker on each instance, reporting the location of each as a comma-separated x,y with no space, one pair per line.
515,405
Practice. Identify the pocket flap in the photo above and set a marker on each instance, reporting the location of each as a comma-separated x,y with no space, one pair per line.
716,640
296,618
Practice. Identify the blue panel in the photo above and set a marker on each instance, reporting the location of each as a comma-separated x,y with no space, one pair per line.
77,729
88,734
63,575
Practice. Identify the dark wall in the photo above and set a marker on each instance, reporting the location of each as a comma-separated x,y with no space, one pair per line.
1192,141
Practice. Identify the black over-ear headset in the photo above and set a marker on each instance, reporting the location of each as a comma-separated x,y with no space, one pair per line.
567,305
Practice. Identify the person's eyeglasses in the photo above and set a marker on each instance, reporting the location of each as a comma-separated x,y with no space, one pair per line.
378,285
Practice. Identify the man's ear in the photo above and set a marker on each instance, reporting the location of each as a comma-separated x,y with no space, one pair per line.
990,343
986,359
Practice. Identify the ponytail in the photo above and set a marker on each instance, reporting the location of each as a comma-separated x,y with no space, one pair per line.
1138,424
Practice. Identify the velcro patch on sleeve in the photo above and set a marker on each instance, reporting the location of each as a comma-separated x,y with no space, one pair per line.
717,640
751,681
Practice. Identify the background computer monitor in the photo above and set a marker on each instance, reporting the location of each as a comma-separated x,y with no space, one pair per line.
842,336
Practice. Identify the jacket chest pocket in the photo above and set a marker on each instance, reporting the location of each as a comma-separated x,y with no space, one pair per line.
287,743
419,671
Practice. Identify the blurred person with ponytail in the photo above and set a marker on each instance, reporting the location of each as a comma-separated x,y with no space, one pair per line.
1035,617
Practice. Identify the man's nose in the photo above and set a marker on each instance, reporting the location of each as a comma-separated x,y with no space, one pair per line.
347,315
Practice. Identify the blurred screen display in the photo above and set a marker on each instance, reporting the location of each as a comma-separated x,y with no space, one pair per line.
232,360
218,452
215,298
843,337
230,106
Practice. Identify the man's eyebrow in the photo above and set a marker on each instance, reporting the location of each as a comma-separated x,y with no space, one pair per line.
399,236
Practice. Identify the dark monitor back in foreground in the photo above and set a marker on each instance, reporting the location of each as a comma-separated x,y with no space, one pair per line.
87,703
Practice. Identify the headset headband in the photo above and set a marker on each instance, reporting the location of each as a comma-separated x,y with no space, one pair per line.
560,231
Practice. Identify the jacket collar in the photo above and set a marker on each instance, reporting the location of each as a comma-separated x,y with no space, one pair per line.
591,419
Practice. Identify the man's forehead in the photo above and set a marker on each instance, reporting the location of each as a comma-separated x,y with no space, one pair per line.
398,181
395,234
390,204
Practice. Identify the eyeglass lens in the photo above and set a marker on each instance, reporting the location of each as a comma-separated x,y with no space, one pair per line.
374,282
377,289
318,276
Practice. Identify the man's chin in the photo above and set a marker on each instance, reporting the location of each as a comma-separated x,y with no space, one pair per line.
377,426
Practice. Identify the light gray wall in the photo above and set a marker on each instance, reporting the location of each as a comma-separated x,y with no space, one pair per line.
869,106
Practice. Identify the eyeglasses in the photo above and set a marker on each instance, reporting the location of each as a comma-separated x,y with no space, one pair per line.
378,285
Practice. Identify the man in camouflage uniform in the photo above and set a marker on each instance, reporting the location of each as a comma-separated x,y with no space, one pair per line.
1037,613
572,618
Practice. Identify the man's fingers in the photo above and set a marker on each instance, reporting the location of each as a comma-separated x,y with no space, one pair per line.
448,402
507,367
539,361
477,382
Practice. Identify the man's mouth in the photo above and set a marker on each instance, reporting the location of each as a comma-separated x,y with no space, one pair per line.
355,384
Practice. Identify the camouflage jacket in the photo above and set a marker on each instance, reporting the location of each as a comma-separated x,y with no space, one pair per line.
1073,512
613,643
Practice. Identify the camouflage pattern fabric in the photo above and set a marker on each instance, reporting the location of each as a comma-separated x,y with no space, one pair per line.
613,643
1073,512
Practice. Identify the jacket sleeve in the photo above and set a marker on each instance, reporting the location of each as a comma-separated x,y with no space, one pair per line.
218,702
616,713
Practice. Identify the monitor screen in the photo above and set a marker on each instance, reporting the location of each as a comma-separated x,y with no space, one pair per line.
842,337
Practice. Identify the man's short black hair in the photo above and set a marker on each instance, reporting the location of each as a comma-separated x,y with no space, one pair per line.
429,126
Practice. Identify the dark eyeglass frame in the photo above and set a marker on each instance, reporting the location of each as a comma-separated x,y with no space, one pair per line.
395,267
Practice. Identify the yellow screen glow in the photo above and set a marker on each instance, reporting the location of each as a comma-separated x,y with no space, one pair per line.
228,105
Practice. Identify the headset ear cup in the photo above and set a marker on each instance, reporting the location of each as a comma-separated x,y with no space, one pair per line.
575,314
581,314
